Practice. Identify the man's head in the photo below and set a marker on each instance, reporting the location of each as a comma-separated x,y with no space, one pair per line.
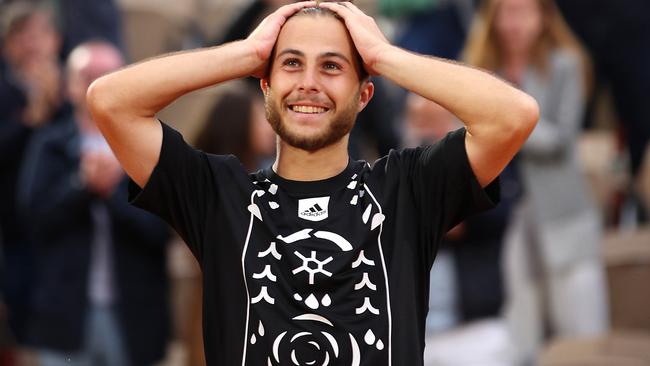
87,62
316,83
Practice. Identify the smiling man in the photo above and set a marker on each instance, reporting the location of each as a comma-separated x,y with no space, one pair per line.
318,259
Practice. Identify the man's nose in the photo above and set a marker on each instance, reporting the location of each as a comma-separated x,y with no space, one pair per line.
309,81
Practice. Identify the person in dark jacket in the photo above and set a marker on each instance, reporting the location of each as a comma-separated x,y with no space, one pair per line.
30,97
100,294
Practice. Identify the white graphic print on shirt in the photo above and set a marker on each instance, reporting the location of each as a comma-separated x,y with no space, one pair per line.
317,284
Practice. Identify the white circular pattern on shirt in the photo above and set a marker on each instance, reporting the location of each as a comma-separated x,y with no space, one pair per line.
324,348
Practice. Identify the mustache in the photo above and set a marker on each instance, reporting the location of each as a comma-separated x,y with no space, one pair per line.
309,99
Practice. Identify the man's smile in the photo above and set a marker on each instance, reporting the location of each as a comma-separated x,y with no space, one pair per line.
308,109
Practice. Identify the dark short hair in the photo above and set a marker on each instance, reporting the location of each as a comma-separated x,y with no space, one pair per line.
318,11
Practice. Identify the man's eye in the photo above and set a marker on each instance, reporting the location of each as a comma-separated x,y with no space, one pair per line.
332,66
291,62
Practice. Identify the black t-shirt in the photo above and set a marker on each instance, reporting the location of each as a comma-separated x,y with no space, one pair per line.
313,273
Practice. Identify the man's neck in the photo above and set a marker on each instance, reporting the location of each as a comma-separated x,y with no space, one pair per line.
296,164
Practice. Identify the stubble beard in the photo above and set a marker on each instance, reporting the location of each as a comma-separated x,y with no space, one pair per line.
337,127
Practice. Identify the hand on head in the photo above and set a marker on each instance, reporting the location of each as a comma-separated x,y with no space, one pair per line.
364,31
366,35
263,38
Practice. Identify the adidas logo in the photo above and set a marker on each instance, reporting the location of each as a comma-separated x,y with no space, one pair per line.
313,209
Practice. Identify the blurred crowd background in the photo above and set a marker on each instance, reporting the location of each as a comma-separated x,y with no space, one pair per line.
558,274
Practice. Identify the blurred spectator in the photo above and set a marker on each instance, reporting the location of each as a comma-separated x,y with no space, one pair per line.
100,294
435,28
617,35
375,124
466,285
30,96
429,27
552,253
84,20
237,125
426,122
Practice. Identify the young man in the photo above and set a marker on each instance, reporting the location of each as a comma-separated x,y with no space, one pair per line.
319,260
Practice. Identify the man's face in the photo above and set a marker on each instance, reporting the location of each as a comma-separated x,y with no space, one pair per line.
313,93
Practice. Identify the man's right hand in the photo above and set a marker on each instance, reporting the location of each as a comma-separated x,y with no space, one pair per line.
124,104
263,38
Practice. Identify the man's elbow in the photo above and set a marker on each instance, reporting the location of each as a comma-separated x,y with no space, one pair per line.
525,119
99,100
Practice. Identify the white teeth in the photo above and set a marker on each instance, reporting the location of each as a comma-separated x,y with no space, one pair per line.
308,109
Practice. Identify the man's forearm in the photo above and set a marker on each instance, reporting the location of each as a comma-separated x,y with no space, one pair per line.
477,98
145,88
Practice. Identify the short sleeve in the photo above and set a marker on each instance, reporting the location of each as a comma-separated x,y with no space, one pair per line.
444,182
180,189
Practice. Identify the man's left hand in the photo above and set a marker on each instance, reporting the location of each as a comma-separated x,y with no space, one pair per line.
366,35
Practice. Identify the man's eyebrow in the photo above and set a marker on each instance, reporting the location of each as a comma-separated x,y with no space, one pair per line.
295,52
292,52
335,54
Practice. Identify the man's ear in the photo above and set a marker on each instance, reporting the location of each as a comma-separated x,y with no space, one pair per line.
264,85
367,90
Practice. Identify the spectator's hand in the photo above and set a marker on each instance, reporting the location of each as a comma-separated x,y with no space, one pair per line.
263,38
366,35
101,172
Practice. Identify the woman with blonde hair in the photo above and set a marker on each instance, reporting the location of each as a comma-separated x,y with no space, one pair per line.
552,262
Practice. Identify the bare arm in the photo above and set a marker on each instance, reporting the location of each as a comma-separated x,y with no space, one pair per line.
498,117
124,103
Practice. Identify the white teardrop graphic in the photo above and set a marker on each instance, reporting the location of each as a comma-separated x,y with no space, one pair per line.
377,219
327,301
312,302
369,337
255,210
380,345
260,329
253,339
273,205
297,297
